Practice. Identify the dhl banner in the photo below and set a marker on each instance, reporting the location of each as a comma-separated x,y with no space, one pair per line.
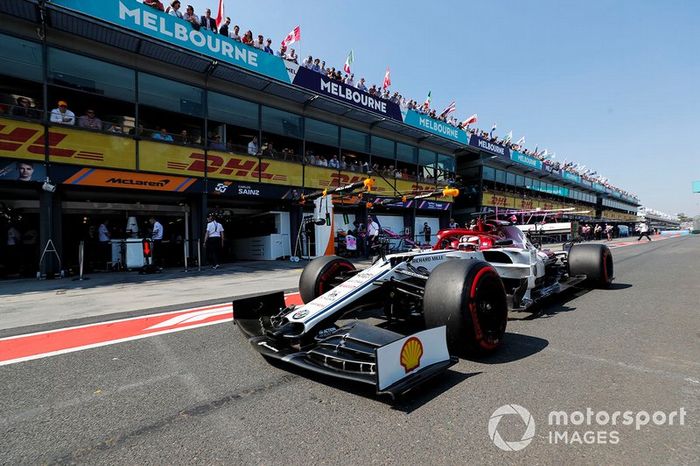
416,187
613,215
80,147
23,140
186,161
510,201
322,178
130,180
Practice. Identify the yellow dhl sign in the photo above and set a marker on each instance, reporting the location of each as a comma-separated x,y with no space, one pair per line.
166,158
23,140
509,201
613,215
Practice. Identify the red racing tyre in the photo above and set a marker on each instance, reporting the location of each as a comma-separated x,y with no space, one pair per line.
322,274
594,261
467,296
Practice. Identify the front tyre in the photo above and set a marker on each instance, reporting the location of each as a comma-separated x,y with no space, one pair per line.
467,296
322,274
594,261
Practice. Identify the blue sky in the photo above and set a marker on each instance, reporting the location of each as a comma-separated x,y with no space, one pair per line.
610,84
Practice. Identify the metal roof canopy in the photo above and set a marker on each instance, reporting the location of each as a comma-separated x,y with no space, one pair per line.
21,9
74,23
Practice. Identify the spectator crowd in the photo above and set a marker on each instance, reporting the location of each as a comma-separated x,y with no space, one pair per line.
319,66
64,116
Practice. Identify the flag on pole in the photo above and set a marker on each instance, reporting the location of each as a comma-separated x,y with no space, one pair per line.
220,16
472,120
493,128
521,141
293,36
427,100
449,109
348,62
509,136
387,79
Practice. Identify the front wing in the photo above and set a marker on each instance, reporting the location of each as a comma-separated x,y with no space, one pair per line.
357,351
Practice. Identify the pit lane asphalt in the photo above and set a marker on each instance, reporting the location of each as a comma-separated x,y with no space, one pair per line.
204,396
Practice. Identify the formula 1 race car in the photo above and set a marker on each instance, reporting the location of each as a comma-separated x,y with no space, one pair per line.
461,292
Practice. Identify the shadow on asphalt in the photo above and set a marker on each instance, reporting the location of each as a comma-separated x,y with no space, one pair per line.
557,304
514,348
424,393
619,286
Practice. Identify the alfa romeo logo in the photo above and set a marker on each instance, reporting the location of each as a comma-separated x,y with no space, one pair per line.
527,419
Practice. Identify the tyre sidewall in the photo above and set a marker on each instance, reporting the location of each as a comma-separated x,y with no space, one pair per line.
317,273
594,261
450,300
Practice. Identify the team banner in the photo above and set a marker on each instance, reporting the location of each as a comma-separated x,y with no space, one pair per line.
322,178
187,161
21,139
320,84
81,147
98,177
526,160
242,190
484,144
614,215
22,170
436,127
509,201
133,15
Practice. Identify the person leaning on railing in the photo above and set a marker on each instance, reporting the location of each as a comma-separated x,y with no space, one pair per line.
25,110
90,121
62,115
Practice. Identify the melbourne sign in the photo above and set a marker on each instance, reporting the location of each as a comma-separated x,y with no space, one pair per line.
135,16
439,128
523,159
484,144
320,84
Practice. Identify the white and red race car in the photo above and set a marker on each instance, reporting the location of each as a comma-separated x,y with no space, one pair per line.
354,323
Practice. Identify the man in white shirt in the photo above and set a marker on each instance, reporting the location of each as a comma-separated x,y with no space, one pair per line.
104,237
157,238
213,240
333,162
643,231
372,233
62,115
253,146
174,9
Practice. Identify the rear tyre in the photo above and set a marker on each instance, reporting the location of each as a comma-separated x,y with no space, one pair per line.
320,275
467,296
594,261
